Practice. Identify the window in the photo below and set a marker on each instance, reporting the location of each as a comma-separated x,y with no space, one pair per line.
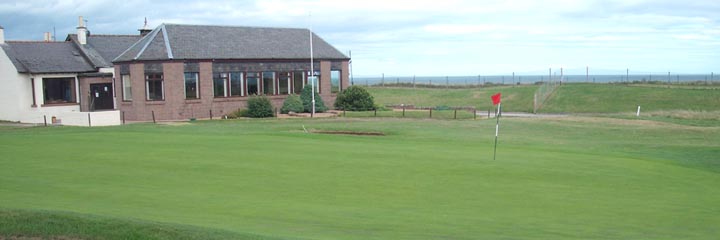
58,90
154,87
253,83
284,83
228,84
220,84
335,83
268,83
237,88
192,90
126,87
317,80
298,82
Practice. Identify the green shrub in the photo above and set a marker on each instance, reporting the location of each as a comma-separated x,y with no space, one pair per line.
238,114
355,98
292,104
259,107
307,100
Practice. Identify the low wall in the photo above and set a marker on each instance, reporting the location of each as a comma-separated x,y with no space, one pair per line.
104,118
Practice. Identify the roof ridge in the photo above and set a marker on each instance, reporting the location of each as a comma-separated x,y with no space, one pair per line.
168,49
114,35
230,26
34,41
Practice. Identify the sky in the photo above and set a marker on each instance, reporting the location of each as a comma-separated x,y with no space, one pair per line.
430,37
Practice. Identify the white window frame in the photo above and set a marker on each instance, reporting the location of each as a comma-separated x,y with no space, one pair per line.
126,87
197,85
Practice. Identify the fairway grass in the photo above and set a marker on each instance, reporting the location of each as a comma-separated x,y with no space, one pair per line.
564,178
515,98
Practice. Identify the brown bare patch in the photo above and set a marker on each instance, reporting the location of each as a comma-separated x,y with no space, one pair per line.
351,133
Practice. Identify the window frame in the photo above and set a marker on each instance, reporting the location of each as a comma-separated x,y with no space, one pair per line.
72,89
339,81
122,88
155,79
257,77
197,85
272,81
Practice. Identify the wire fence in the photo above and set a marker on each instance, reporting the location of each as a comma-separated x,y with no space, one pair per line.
513,79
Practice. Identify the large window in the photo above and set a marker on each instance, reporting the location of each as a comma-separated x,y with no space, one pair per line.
317,80
126,87
220,84
154,87
237,87
298,82
335,83
228,84
192,90
268,83
284,83
58,90
253,83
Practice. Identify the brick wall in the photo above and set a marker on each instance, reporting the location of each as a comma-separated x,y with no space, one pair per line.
85,90
176,107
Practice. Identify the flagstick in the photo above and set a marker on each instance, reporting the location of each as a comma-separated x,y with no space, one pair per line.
497,128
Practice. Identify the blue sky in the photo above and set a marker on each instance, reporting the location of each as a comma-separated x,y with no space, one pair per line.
430,37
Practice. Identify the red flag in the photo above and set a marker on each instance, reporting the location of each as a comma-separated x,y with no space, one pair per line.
496,99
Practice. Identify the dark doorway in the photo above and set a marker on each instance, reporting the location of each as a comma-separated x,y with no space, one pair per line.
101,96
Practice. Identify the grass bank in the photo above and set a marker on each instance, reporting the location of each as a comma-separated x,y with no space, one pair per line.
515,98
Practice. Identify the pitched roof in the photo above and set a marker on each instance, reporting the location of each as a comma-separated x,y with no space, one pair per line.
46,57
102,49
175,41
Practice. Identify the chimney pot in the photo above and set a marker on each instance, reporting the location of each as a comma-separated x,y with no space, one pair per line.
46,36
82,32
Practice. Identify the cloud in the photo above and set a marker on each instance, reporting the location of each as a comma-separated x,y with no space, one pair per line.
453,37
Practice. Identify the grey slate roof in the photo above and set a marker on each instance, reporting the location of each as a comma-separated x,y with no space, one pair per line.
46,57
227,42
102,49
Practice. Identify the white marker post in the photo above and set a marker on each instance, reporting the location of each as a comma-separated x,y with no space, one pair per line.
638,112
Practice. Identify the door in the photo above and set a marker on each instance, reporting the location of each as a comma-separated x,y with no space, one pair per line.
101,96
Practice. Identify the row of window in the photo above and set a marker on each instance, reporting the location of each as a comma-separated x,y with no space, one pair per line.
233,84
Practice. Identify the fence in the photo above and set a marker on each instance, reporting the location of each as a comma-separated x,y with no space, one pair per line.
623,76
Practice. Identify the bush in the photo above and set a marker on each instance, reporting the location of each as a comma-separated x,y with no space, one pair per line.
307,100
238,114
259,107
292,104
355,98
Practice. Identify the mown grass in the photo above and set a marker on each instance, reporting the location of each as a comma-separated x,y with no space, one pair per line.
567,178
515,98
21,224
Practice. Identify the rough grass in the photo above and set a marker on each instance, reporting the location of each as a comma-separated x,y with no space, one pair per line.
570,98
515,98
615,98
565,178
40,224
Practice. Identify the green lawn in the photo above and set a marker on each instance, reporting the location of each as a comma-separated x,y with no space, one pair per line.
569,178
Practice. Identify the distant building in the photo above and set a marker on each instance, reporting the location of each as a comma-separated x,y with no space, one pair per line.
174,71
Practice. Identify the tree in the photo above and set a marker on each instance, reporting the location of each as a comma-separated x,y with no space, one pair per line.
307,100
292,104
259,107
355,98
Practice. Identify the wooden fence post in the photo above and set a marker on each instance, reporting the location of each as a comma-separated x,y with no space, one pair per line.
455,114
45,119
430,112
153,116
89,123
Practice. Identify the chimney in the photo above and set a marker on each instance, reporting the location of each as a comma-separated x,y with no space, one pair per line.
47,37
2,35
82,31
145,29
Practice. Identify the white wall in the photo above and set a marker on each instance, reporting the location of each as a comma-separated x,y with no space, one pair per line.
15,93
16,100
